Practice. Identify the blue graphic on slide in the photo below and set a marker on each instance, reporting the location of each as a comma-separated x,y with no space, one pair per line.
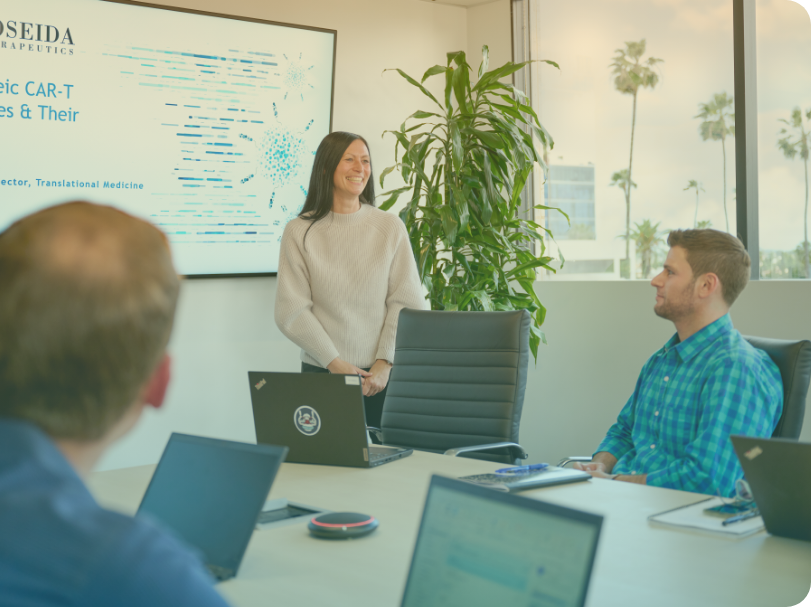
281,152
296,77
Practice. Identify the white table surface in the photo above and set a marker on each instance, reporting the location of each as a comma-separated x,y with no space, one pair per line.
636,565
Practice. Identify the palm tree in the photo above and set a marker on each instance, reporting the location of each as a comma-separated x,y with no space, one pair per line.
647,237
802,254
705,224
718,118
620,179
793,143
631,73
693,184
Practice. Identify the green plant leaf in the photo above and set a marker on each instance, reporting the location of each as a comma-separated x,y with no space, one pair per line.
489,139
449,91
410,80
392,199
437,69
535,263
458,150
484,299
386,172
485,60
457,57
450,224
461,87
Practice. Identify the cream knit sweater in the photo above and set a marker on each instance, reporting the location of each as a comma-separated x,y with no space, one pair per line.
340,293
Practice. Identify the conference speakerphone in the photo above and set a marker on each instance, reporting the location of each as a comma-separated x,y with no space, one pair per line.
342,525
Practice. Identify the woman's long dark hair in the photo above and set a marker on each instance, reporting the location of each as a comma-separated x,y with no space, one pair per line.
319,196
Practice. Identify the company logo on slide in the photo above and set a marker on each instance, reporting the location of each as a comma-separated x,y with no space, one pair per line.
35,37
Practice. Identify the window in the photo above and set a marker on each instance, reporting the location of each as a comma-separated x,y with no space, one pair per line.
784,137
642,124
643,112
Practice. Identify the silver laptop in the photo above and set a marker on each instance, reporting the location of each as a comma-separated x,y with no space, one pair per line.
210,492
479,548
320,417
777,469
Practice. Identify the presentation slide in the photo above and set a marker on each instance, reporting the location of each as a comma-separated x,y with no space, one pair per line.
206,126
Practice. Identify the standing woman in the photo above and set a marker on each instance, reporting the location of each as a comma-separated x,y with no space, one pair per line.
345,271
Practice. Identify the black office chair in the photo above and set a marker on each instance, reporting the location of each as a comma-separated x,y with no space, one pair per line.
457,385
793,359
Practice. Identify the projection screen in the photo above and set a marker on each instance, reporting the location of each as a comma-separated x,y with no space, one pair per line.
204,124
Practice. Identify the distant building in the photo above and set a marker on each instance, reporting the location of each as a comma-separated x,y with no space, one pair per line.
571,189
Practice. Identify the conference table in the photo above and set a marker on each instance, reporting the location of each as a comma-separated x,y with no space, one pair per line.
637,564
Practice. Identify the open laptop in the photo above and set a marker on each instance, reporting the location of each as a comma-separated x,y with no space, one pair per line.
479,547
318,416
210,492
777,469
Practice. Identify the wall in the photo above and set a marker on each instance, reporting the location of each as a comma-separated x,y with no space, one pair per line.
599,333
225,327
489,24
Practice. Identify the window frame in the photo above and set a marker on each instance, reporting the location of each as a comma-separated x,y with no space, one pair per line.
746,116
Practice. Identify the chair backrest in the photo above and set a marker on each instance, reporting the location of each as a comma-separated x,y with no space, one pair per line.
793,358
458,380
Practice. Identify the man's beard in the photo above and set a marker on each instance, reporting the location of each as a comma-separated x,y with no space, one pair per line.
677,309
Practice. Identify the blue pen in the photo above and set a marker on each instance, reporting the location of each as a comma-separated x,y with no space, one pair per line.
741,517
522,469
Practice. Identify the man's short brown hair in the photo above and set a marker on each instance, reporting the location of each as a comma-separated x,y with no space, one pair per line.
87,301
716,252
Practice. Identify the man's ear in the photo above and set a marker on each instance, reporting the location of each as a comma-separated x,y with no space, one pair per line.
708,284
155,390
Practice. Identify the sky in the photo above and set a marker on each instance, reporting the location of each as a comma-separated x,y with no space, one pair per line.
591,121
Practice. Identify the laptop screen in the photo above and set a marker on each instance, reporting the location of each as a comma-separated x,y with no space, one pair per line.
477,546
210,493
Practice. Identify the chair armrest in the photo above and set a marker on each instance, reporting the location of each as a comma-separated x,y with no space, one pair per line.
517,449
376,431
574,458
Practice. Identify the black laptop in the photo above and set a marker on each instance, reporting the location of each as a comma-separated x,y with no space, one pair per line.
777,470
210,492
318,416
480,548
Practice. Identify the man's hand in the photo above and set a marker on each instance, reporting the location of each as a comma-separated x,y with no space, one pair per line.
596,469
378,378
600,466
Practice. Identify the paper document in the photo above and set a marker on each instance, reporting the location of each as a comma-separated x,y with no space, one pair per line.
693,517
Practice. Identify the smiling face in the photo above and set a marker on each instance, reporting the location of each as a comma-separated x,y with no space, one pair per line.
352,172
675,285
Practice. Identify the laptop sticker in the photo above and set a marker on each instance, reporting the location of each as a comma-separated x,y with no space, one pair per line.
753,453
352,380
260,384
307,421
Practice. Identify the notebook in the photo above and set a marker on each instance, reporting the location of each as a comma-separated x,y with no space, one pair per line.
319,416
479,547
777,469
210,492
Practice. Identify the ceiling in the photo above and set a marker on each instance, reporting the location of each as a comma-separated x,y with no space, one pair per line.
465,3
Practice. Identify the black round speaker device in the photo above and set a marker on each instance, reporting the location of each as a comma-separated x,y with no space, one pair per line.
342,525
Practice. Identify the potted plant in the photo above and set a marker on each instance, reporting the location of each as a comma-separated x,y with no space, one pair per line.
465,162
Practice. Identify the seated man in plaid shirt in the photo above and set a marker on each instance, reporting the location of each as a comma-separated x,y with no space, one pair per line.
705,384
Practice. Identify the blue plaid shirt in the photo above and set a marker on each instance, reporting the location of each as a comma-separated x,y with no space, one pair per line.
689,398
